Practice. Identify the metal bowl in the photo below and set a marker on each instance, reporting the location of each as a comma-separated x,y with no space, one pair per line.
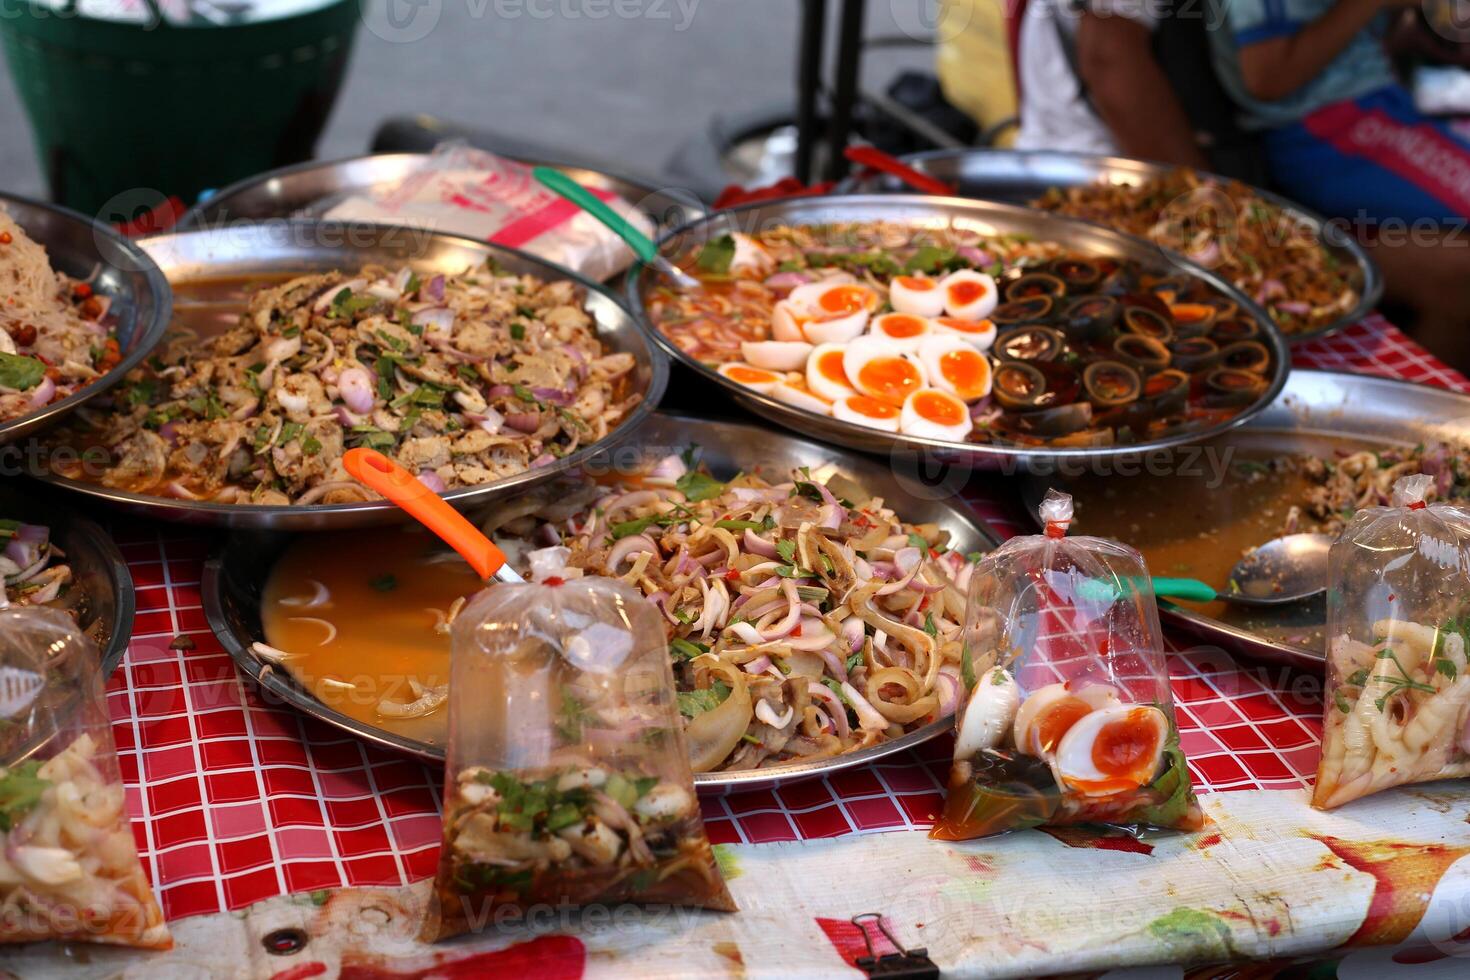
987,218
101,597
274,248
236,574
311,189
116,268
1021,176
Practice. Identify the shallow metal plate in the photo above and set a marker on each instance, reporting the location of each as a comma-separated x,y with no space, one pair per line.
235,576
309,246
987,218
313,188
1021,176
80,247
1325,403
102,588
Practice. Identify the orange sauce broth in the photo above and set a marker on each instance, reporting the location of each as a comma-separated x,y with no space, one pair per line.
385,592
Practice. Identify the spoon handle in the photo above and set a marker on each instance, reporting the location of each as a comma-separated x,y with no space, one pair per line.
372,469
871,156
559,183
1190,589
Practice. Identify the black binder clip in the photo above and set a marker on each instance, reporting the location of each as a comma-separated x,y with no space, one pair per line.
906,964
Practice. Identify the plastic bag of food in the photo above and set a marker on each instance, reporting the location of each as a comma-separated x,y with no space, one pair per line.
1069,717
69,868
1397,709
568,780
464,191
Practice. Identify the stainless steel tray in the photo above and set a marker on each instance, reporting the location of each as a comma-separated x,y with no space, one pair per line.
309,246
79,247
311,188
1021,176
988,218
235,576
1326,403
102,588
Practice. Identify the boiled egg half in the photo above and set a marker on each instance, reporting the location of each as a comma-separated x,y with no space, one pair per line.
954,366
935,414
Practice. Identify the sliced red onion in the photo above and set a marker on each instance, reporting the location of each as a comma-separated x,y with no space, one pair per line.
948,688
758,665
626,548
834,663
623,501
830,516
787,280
868,717
283,348
747,633
554,396
975,256
434,289
431,480
787,623
757,545
548,535
435,319
545,459
814,636
1295,307
1207,254
42,394
853,632
169,433
907,562
383,291
246,411
346,417
835,707
501,391
523,421
490,420
332,292
26,546
752,495
177,489
47,592
671,467
401,278
356,388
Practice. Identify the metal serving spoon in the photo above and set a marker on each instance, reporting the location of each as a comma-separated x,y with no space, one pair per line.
372,469
642,246
1283,570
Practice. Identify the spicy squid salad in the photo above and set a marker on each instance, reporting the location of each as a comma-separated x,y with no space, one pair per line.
943,334
56,335
33,570
464,380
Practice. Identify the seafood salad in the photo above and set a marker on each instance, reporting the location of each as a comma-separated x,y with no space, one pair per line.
947,336
56,335
1276,259
463,380
805,619
1365,478
32,569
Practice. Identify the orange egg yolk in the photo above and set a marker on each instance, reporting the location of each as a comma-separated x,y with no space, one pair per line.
915,284
829,366
967,326
1055,720
871,407
933,406
1189,312
890,378
902,326
966,370
749,376
1124,752
967,291
844,300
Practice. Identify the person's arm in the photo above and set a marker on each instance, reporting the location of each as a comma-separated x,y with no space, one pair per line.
1131,92
1274,68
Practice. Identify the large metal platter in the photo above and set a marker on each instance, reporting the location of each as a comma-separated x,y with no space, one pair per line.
101,595
987,218
1021,176
1355,406
312,188
296,247
116,268
235,575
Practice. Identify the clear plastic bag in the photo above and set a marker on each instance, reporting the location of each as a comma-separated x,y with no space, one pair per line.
1397,708
1069,717
69,868
568,780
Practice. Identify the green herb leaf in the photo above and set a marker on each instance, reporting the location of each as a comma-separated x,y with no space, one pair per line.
918,541
716,255
1343,704
696,486
517,331
854,661
929,625
786,548
1446,667
739,525
686,649
967,668
20,791
697,702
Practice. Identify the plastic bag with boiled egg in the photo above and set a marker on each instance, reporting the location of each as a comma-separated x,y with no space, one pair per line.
1069,718
568,779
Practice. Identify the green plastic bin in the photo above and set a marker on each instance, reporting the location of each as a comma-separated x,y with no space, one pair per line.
126,114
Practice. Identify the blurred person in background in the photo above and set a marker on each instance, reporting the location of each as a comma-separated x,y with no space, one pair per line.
1342,135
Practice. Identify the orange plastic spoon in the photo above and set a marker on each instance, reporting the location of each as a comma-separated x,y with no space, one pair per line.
372,469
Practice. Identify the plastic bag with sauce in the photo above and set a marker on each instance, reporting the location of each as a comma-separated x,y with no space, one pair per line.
568,780
1069,717
1397,709
69,868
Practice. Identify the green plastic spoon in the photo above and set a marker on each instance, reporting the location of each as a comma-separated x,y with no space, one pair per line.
642,246
1281,571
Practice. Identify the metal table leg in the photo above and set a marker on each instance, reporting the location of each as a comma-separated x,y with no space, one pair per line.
844,94
808,83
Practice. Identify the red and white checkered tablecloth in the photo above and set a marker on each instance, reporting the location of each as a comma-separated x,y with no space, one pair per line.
234,801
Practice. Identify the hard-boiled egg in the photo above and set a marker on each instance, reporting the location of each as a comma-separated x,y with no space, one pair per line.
968,295
918,295
1113,749
979,334
796,394
935,414
788,321
825,375
953,366
837,312
988,714
752,377
1045,716
875,366
776,355
905,328
751,257
867,411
